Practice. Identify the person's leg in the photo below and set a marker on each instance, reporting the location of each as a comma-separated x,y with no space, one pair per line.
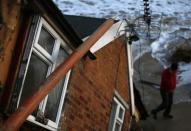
168,108
162,106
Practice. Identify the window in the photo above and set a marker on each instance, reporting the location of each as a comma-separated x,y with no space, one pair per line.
117,115
47,52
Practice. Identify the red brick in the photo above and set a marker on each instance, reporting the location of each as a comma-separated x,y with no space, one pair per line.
92,87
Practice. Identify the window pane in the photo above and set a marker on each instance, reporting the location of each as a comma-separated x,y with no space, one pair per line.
55,95
54,101
36,74
46,40
112,116
121,112
117,127
62,55
114,108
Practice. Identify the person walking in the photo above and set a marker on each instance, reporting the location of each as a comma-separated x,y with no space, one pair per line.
167,87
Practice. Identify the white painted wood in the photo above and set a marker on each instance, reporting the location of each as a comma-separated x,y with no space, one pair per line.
32,119
121,99
117,119
114,32
130,67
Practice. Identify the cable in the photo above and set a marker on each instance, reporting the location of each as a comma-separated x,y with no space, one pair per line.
118,29
119,58
118,63
139,71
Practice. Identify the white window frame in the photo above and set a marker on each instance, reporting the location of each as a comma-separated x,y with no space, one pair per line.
117,119
50,59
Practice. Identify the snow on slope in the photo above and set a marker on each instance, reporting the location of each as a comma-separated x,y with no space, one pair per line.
176,26
120,8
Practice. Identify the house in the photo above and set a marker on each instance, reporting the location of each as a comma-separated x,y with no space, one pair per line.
94,94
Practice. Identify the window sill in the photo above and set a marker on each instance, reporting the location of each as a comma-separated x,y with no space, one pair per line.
32,120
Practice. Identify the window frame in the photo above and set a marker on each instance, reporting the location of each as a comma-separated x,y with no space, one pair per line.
116,118
50,60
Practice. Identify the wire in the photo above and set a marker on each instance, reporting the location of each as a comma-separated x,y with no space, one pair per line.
118,63
119,58
139,71
118,29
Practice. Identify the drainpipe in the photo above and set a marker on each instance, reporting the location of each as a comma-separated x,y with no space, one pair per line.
131,78
16,119
130,68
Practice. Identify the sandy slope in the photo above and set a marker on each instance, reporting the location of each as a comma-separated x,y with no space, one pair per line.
180,122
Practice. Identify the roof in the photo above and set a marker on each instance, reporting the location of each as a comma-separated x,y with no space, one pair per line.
84,26
49,8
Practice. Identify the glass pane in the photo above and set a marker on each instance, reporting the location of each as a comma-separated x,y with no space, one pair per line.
121,111
62,55
112,116
117,127
36,74
114,108
54,97
46,40
54,101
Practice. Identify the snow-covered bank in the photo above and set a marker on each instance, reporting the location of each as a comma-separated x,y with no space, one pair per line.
175,27
121,8
177,37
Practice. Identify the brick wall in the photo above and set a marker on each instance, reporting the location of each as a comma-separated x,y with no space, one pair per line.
8,35
91,89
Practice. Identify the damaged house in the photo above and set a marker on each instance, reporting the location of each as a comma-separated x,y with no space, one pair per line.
94,95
